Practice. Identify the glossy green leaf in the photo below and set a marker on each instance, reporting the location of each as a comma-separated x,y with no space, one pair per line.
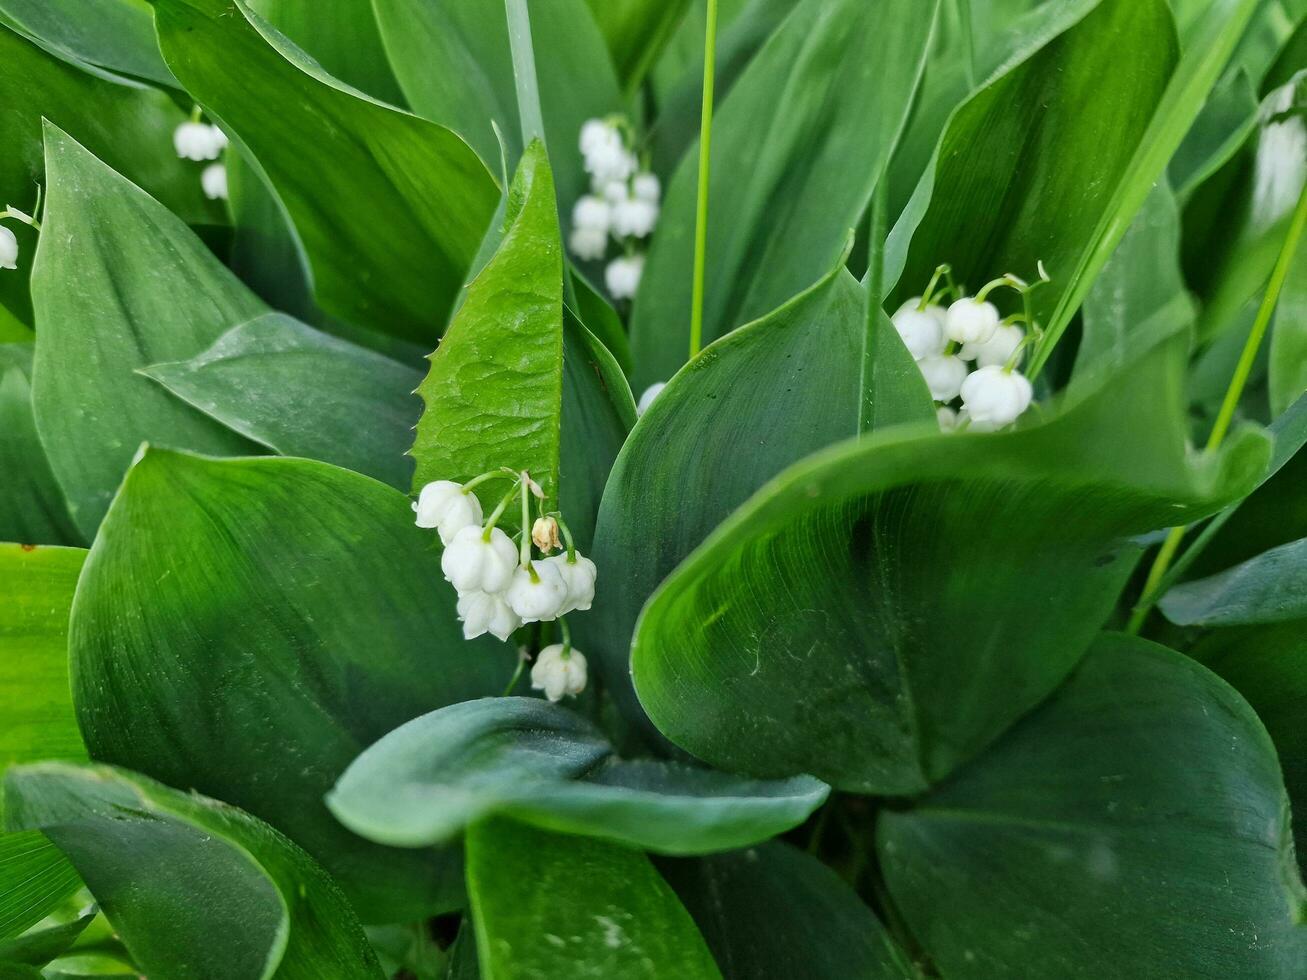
1287,367
146,852
547,905
773,911
390,208
543,765
32,508
750,405
797,147
1135,825
39,947
869,577
247,626
1267,589
494,393
454,64
636,31
301,392
35,878
119,283
124,123
114,34
1027,165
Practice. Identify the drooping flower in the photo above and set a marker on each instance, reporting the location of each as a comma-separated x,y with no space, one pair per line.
214,181
588,244
944,374
198,141
998,349
537,592
579,578
647,399
971,321
633,218
591,219
645,187
486,612
8,249
559,672
477,560
947,418
995,396
622,277
445,506
921,330
544,534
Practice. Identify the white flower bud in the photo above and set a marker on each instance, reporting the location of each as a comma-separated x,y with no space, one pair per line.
544,534
558,672
944,375
588,244
195,141
8,249
947,418
214,181
994,396
998,349
444,506
647,399
646,187
473,563
610,161
971,322
594,134
591,212
921,332
537,592
579,577
622,277
634,218
485,612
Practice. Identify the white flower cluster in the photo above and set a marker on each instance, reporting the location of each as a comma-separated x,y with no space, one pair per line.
501,585
967,351
622,205
198,141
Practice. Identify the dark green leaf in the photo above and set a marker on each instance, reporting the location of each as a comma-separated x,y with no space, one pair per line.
797,148
1267,589
547,905
304,393
35,878
147,852
390,208
636,31
542,765
119,283
114,34
838,608
246,627
39,947
1287,369
1135,825
1217,134
32,508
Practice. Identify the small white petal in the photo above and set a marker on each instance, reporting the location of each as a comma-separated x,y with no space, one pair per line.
8,249
537,597
622,277
995,396
579,577
473,563
214,181
559,673
592,212
588,244
970,322
647,399
944,376
646,187
484,612
634,218
445,506
921,332
593,134
195,141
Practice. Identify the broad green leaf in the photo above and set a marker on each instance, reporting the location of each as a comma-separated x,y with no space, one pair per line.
868,578
37,584
114,34
119,283
1027,165
247,627
773,911
32,508
126,124
636,31
797,148
35,878
453,61
547,905
39,947
602,320
340,35
1287,368
750,405
146,853
1291,60
543,765
494,393
1267,589
1217,134
1135,825
390,207
300,392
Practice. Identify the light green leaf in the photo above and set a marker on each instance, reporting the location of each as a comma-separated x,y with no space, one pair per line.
32,508
1135,825
1267,589
146,852
114,34
868,578
247,627
547,905
797,147
773,911
39,947
35,878
543,765
636,31
119,283
304,393
390,208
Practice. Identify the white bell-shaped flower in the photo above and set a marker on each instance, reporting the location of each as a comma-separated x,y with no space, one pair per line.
614,191
966,422
922,332
579,577
971,321
645,187
537,592
194,141
218,140
622,276
634,218
947,418
559,672
998,349
594,133
647,399
214,181
588,244
445,506
478,560
995,396
606,156
944,375
486,612
8,249
592,212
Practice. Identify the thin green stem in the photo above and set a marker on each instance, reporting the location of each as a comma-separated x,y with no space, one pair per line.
701,206
1157,575
524,550
493,520
875,302
941,272
524,71
567,634
517,676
